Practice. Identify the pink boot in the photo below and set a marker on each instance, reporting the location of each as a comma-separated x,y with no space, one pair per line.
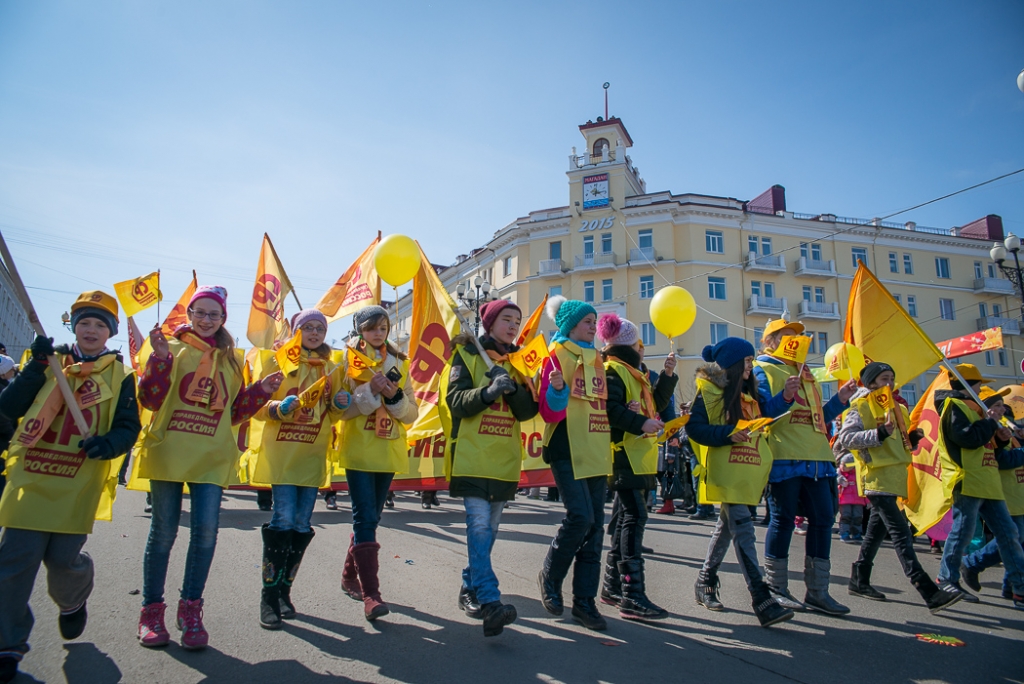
190,621
350,576
152,632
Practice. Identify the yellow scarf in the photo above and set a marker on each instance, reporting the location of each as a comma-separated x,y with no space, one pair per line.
646,392
201,387
588,378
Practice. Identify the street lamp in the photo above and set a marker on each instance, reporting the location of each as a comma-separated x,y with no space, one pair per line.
474,297
1013,273
65,319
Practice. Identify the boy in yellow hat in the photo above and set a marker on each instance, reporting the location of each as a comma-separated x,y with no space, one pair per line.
59,480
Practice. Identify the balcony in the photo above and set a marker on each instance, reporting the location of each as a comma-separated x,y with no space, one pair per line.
824,310
993,286
595,262
549,268
642,255
768,263
815,268
766,306
1010,326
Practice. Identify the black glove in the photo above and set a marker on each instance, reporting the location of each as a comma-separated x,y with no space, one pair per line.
97,447
915,437
41,348
501,384
496,371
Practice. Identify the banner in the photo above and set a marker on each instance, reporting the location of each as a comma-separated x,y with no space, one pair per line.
878,326
266,315
983,340
139,294
926,502
357,287
178,315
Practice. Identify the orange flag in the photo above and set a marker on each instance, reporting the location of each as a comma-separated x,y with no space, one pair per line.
357,287
532,325
926,502
177,316
266,315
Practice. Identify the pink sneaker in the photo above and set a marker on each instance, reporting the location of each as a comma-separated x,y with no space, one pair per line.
152,632
190,621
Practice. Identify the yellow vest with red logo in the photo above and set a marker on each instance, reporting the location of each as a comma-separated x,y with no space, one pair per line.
1013,489
793,437
980,470
887,471
186,441
51,485
360,447
586,421
641,450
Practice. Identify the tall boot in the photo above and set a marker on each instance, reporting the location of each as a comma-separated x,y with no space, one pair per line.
634,604
276,546
300,540
767,607
860,582
816,574
776,576
349,574
365,555
611,586
934,598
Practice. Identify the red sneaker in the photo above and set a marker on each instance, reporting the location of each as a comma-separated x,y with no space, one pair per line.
152,632
190,621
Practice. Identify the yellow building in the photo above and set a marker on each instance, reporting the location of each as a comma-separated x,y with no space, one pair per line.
745,262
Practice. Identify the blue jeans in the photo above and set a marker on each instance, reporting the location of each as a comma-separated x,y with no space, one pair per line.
204,519
988,556
966,510
482,520
814,495
580,535
368,492
293,507
707,509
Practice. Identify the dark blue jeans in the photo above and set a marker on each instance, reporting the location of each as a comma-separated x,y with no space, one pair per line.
204,521
814,496
579,536
293,507
988,555
368,492
966,510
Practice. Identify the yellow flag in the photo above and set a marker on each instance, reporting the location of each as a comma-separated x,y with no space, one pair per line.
357,287
878,326
793,348
312,395
926,502
266,315
288,355
672,427
139,294
532,325
178,316
755,425
529,359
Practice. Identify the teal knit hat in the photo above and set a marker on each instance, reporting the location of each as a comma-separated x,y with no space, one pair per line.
567,313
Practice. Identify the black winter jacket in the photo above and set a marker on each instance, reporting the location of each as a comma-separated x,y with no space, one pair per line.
958,430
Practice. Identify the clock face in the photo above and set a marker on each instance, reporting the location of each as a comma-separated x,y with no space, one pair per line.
595,191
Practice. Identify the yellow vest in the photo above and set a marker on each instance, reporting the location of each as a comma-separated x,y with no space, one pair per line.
586,421
887,471
793,438
490,443
737,473
186,441
51,485
642,450
980,471
292,451
1013,489
359,447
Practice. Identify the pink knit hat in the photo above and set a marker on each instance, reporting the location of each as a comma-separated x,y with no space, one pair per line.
214,292
614,330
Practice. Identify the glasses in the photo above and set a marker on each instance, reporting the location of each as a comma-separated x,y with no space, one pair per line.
313,329
212,317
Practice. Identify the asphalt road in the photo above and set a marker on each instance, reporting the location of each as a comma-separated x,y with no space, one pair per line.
427,640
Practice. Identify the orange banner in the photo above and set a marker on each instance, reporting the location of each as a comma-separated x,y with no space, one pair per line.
357,287
266,315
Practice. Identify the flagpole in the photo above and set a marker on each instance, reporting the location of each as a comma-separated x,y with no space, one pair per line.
159,296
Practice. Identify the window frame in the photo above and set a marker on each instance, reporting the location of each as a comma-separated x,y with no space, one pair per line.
943,307
714,238
647,233
714,283
607,285
588,297
647,287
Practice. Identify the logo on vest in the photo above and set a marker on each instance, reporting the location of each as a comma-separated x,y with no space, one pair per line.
207,392
304,434
496,426
599,423
988,460
89,393
799,417
383,430
1019,472
744,455
32,428
194,423
266,296
597,385
50,462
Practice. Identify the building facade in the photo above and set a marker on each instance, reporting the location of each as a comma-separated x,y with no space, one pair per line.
15,330
745,262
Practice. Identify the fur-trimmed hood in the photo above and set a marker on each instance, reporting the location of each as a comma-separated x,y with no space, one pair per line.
713,373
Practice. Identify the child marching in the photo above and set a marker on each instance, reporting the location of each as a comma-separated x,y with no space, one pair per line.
193,384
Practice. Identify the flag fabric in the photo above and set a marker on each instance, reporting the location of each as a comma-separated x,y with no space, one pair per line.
984,340
289,353
139,294
878,326
793,348
926,502
135,340
672,427
266,315
530,358
178,315
357,287
532,325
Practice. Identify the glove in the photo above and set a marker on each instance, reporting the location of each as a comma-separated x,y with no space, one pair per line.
287,405
496,371
97,447
502,383
342,399
41,348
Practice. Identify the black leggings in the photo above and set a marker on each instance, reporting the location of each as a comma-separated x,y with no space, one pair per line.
626,526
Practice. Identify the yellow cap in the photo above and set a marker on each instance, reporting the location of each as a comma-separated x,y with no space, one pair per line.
99,300
970,373
780,324
987,393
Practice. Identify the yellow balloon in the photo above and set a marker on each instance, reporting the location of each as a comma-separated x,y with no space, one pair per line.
673,311
397,259
843,361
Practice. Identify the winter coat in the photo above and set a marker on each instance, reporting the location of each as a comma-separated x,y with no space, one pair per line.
959,432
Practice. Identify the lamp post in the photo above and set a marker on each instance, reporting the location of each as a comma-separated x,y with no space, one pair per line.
65,319
475,296
1013,273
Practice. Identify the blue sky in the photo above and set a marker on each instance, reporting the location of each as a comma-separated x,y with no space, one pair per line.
172,135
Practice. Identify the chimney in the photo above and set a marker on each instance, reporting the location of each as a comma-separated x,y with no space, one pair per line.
987,228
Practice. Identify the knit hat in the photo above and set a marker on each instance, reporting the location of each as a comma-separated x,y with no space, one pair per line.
6,364
873,370
614,330
490,311
567,313
364,315
728,352
214,292
307,315
95,304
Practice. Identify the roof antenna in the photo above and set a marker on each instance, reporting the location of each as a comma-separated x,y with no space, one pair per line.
605,86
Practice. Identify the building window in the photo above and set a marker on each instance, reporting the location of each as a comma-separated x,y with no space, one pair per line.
860,254
997,310
912,305
719,331
555,291
811,349
894,264
1001,354
588,246
646,287
816,251
755,288
989,359
716,288
983,309
752,244
807,293
648,335
588,290
803,251
947,311
898,298
908,264
810,251
508,266
978,273
758,334
645,239
769,290
600,147
766,245
822,342
606,290
828,390
555,250
819,295
714,242
991,270
941,267
606,243
909,392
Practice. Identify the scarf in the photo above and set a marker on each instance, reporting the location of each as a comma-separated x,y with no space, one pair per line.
200,388
88,392
646,392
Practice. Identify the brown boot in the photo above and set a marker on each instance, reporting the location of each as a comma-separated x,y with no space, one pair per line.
365,556
350,576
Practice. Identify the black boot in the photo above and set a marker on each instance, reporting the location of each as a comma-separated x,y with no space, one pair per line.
635,605
276,546
611,586
705,591
934,598
496,616
766,608
585,612
72,624
469,604
300,540
550,590
860,582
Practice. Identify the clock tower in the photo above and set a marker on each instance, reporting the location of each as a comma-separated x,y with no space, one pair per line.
603,176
